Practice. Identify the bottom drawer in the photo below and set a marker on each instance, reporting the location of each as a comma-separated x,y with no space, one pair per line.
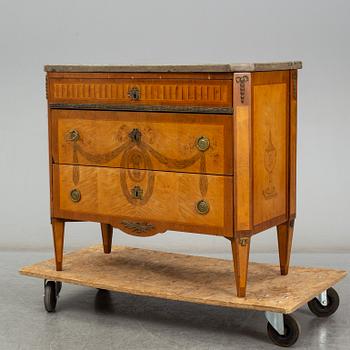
144,202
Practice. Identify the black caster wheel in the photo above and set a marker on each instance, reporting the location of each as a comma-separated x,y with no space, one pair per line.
50,296
291,334
51,291
324,311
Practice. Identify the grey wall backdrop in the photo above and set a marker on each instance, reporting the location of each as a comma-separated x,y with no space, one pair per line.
34,33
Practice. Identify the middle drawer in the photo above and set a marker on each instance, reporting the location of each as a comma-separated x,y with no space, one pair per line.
140,140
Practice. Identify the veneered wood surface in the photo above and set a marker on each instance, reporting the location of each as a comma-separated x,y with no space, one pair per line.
285,238
107,236
168,140
242,154
240,254
293,142
169,199
188,278
50,149
58,241
270,120
215,93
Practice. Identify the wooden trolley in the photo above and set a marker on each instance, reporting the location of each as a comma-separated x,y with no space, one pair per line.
196,279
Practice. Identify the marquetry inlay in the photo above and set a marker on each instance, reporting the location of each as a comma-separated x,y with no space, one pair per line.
136,155
201,92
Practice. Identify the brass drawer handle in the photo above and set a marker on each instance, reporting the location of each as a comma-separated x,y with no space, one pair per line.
135,135
202,207
134,93
202,143
72,135
137,192
137,227
75,195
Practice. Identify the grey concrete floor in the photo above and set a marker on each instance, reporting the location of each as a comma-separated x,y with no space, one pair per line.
88,319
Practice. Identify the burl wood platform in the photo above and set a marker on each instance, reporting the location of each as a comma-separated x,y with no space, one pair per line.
188,278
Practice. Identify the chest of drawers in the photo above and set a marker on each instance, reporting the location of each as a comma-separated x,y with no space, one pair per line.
205,149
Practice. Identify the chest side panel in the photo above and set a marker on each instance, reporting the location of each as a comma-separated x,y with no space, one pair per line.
270,143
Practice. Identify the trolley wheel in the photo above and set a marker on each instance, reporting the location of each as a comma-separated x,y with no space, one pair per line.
291,334
324,311
50,296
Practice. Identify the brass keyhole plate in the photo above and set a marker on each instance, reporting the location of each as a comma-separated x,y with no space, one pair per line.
134,93
137,192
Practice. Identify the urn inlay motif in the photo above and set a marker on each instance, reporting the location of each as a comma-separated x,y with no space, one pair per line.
270,163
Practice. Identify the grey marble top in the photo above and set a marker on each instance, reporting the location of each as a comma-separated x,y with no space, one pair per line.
201,68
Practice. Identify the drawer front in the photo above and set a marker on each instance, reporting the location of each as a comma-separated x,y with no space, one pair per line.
144,202
133,93
159,141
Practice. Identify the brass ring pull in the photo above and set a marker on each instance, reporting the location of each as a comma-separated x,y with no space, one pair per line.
75,195
202,143
72,135
134,93
202,207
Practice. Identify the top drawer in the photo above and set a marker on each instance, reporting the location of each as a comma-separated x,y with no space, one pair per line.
188,95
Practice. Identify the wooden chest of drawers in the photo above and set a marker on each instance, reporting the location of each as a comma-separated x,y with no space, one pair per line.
204,149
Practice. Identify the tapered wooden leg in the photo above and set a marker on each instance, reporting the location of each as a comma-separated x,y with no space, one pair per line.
58,240
285,237
240,251
107,234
